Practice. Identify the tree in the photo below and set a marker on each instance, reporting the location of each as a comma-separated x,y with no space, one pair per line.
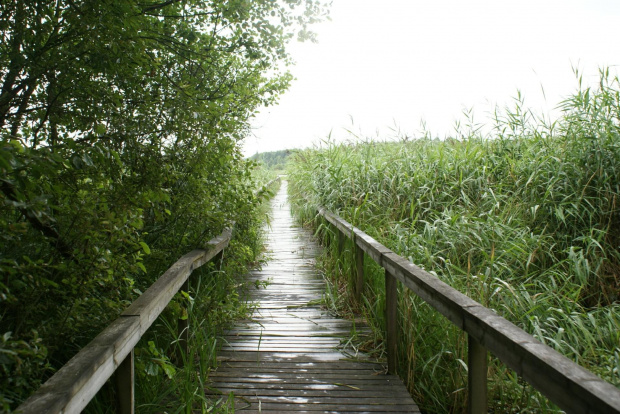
119,130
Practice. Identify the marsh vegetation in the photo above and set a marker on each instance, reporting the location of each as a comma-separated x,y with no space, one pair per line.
524,220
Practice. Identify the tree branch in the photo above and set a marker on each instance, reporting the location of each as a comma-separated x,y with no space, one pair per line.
8,189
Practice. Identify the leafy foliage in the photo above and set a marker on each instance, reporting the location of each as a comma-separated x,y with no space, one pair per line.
119,131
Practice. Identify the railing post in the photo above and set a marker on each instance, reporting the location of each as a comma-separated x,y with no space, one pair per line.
219,260
124,380
183,329
477,366
183,324
359,268
391,303
340,242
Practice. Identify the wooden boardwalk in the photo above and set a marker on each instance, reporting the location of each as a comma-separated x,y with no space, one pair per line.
290,356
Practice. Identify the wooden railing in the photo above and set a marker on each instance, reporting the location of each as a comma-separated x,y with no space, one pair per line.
570,386
72,387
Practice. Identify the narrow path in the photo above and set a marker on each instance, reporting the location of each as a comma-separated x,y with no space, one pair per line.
289,357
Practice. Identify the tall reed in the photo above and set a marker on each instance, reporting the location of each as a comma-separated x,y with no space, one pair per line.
524,220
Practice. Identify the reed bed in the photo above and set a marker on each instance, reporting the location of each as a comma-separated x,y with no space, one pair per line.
524,220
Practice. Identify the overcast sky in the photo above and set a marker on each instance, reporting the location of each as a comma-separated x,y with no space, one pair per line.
386,64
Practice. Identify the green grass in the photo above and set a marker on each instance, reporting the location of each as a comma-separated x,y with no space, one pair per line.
525,220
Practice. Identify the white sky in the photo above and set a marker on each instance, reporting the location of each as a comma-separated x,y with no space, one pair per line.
387,63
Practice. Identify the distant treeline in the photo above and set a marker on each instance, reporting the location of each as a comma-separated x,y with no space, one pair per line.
274,159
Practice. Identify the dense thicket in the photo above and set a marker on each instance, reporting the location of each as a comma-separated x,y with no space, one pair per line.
119,130
525,221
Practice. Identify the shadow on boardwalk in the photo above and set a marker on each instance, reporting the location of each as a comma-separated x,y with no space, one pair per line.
287,358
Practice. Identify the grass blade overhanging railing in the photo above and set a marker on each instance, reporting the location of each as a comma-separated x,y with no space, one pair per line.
112,351
570,386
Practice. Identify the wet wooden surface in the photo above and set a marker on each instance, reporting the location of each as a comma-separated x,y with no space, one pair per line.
293,356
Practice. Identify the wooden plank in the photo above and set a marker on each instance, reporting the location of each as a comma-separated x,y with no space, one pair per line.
345,400
322,371
270,407
254,411
303,377
254,388
307,365
347,381
257,356
240,389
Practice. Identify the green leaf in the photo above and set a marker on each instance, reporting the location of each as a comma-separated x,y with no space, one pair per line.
145,247
100,129
168,369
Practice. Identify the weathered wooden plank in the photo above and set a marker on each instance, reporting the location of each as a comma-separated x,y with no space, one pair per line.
325,386
280,356
303,375
299,333
323,372
252,340
270,407
284,348
382,393
348,403
347,365
304,328
360,382
254,411
351,399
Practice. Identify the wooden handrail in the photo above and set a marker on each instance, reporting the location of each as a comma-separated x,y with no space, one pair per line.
72,387
570,386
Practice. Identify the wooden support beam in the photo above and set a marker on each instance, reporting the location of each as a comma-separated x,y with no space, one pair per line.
124,379
183,330
477,367
391,312
340,242
218,260
359,273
